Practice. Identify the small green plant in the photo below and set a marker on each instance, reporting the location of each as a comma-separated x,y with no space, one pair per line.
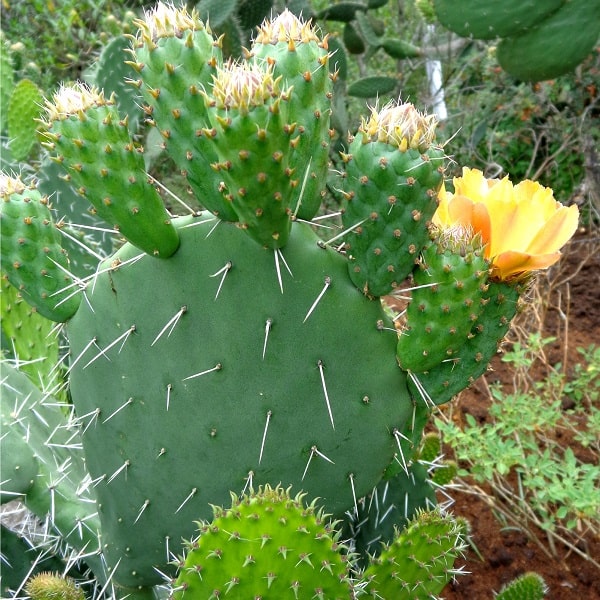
554,489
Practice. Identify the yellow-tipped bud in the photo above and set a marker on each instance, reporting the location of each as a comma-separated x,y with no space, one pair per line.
164,20
10,185
73,99
242,85
286,27
400,125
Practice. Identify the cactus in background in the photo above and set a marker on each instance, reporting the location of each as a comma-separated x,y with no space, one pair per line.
529,586
524,28
211,352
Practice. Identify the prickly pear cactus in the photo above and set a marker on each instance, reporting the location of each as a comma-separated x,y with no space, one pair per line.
232,348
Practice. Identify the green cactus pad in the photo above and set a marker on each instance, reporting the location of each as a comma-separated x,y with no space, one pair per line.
529,586
31,253
419,563
446,301
301,57
267,545
555,46
442,382
176,56
248,376
63,498
24,108
484,20
95,148
390,197
19,465
31,342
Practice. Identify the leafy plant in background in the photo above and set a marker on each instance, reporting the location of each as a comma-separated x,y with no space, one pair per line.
554,489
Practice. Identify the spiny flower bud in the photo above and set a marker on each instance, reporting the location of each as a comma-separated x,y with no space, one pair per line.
72,100
10,185
286,27
242,85
51,586
164,20
400,125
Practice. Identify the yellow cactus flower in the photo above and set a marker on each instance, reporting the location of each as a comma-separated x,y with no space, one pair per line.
522,226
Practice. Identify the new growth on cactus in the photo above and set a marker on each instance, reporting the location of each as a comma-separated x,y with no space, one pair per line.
232,349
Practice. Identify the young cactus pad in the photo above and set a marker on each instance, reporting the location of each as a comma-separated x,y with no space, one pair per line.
199,376
267,545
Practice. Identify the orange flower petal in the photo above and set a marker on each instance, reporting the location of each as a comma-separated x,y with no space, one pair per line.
511,263
556,232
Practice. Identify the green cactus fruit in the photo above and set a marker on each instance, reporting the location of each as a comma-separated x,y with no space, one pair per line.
31,253
94,146
555,46
446,302
445,380
264,393
176,56
529,586
485,21
52,586
24,110
61,494
301,57
420,561
269,544
393,174
28,333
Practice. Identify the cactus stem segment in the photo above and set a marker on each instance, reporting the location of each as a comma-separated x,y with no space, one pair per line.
319,297
322,374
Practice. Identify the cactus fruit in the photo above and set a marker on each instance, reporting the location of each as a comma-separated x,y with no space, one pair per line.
393,174
267,545
32,255
24,110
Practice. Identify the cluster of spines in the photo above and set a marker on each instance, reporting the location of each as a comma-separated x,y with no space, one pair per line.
32,254
393,174
85,134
